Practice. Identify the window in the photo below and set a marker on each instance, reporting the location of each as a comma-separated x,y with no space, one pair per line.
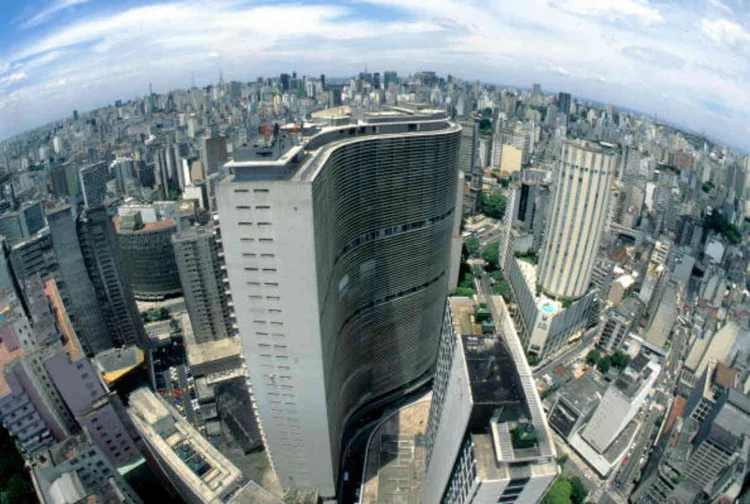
257,190
241,190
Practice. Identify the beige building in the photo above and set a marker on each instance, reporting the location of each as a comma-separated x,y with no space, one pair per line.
578,214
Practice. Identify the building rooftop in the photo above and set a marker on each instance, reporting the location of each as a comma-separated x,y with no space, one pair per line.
114,363
584,393
196,462
298,157
492,374
213,350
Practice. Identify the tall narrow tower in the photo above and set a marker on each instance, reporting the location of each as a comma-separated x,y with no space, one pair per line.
578,214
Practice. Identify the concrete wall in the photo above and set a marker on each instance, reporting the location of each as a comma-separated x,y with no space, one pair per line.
277,313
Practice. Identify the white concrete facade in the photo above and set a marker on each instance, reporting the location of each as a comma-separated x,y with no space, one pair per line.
269,245
583,181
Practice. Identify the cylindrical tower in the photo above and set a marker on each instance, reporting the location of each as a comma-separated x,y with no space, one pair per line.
577,217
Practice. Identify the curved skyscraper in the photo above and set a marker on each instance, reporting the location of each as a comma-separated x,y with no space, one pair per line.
338,249
583,181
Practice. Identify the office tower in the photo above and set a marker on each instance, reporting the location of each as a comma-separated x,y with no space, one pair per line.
34,256
487,438
213,152
147,256
284,79
6,272
196,470
345,260
197,254
323,81
122,171
622,400
64,178
93,179
717,379
376,80
664,310
10,228
85,312
31,217
723,437
583,180
113,292
536,89
563,103
146,174
76,470
467,164
389,77
161,171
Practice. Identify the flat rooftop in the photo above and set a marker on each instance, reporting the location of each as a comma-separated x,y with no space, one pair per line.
584,393
214,350
297,157
492,373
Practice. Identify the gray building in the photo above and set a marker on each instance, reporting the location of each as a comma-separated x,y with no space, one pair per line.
618,323
34,256
196,252
213,152
85,312
93,179
98,240
574,404
76,471
147,255
468,165
345,258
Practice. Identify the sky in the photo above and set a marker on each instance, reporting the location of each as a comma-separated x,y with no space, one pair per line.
687,61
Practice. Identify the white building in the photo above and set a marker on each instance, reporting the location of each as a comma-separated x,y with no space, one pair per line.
487,439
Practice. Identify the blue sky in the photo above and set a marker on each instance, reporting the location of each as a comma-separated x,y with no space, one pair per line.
686,60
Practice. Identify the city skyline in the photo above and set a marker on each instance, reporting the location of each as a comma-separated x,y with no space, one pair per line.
686,64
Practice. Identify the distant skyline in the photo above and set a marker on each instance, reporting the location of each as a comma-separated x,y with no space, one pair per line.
688,62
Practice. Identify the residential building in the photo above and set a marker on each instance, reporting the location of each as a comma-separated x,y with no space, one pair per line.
618,323
197,253
98,240
84,310
345,259
582,180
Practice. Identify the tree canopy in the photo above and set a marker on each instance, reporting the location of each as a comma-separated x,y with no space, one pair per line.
559,493
494,204
604,364
472,245
492,255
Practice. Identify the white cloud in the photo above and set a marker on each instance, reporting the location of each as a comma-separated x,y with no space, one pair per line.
48,12
636,10
570,44
13,78
724,31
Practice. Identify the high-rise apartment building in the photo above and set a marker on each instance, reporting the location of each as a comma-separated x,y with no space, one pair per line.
197,252
343,258
618,323
78,289
98,240
583,181
487,438
213,151
468,163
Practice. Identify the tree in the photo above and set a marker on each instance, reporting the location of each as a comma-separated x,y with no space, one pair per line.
502,288
497,275
17,489
492,255
486,112
494,204
472,245
559,493
485,125
578,491
592,358
604,364
464,292
620,359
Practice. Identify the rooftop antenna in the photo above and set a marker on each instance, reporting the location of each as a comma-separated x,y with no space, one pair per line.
150,89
